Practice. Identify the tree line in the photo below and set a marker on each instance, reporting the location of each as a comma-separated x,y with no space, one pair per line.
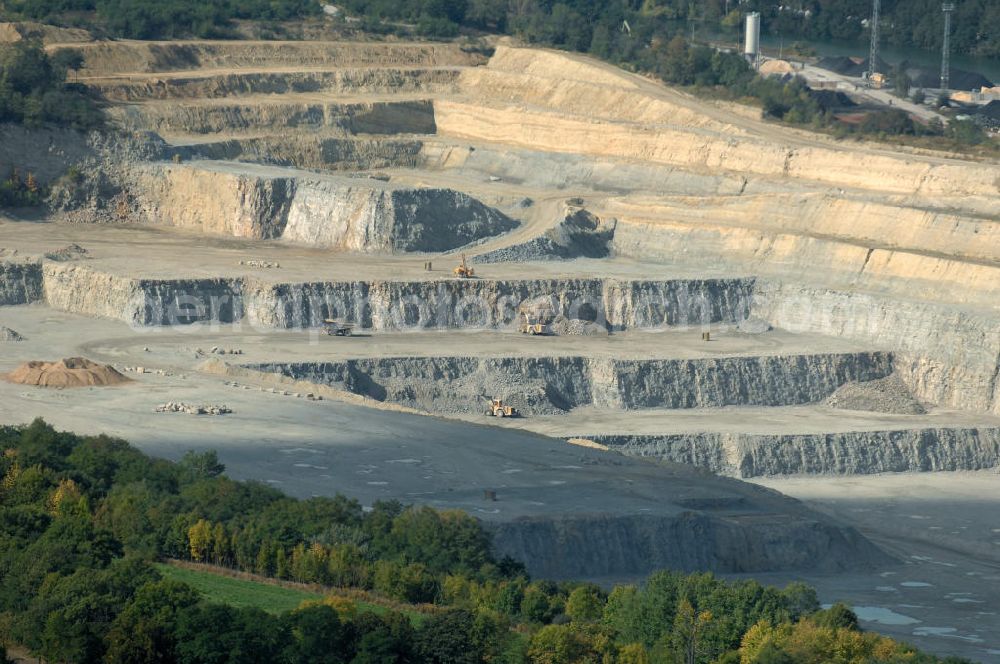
82,519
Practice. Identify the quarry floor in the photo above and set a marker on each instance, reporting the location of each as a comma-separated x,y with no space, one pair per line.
158,252
942,526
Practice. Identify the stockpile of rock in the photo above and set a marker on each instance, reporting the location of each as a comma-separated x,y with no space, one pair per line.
564,326
68,253
265,265
181,407
883,395
216,350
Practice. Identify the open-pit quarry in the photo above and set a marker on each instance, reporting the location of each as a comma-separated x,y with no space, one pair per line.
730,304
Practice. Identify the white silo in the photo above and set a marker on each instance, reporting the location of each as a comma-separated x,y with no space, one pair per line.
751,47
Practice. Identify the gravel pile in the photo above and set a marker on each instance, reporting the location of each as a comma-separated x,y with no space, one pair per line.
8,335
563,326
883,395
180,407
753,325
580,234
68,253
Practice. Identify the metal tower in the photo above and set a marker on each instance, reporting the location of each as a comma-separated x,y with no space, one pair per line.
947,8
873,51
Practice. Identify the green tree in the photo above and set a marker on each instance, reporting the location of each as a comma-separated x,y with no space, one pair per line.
144,632
584,604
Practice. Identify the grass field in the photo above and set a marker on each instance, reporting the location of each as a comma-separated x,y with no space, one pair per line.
247,592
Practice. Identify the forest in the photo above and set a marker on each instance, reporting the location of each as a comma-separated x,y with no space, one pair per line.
577,24
84,520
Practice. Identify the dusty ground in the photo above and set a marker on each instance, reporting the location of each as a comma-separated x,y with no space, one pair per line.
170,253
944,527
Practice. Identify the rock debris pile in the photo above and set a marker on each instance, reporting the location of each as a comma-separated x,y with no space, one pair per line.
181,407
266,265
883,395
70,252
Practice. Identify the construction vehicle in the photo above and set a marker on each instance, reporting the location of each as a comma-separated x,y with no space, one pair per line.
463,271
535,320
335,328
532,325
499,409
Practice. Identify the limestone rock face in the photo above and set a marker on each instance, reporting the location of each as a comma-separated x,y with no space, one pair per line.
369,220
20,283
841,453
345,214
551,385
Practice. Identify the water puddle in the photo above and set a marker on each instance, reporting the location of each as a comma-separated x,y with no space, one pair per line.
883,616
946,632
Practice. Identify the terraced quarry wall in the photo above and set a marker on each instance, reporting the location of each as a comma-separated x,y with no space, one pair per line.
488,303
359,214
109,58
947,355
542,103
392,305
550,385
356,80
842,453
229,117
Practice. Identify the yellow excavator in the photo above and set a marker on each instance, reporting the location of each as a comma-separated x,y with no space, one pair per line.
463,271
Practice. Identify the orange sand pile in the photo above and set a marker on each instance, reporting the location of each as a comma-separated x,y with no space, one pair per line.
71,372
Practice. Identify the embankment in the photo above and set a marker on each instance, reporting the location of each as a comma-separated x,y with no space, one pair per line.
603,546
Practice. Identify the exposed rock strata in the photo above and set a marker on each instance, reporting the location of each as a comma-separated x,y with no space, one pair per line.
482,303
843,453
20,283
229,117
548,385
347,214
193,85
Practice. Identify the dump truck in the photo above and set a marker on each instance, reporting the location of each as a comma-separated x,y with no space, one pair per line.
535,320
531,325
463,271
336,328
499,409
